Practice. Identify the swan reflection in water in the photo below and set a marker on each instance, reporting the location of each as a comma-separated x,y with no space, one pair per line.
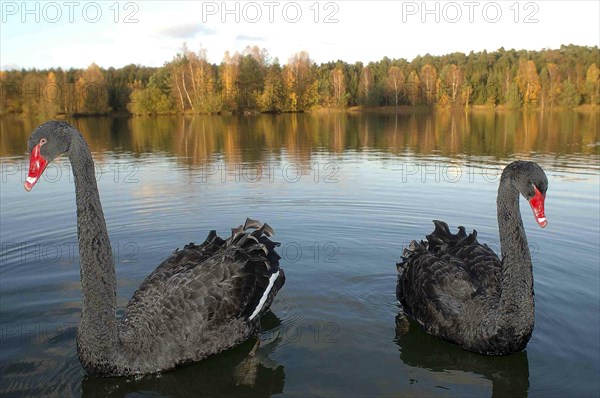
509,374
243,371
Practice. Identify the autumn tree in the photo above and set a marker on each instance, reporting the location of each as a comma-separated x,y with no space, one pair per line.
528,81
203,79
452,81
338,82
428,78
366,87
301,87
592,84
550,85
228,75
395,83
272,98
413,84
51,95
181,68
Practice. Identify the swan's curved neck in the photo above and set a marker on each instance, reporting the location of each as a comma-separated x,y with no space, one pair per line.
97,333
516,298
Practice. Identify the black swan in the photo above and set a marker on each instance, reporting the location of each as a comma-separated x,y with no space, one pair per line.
201,300
459,290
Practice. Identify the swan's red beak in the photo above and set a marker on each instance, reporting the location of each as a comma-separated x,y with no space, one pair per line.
37,165
537,205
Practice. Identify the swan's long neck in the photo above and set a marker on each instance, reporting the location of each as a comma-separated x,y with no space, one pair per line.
516,298
97,333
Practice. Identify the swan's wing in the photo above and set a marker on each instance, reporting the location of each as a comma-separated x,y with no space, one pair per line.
433,289
483,264
479,260
439,278
199,292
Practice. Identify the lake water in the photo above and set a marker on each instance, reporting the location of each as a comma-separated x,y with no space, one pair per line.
345,194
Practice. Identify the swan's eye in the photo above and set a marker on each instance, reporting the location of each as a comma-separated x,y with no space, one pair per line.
532,189
43,141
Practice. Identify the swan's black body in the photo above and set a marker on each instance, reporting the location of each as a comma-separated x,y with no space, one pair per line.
201,300
460,290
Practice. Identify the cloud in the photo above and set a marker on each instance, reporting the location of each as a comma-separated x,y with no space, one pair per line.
249,38
10,67
186,31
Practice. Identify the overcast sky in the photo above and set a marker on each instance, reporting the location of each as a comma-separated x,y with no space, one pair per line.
76,33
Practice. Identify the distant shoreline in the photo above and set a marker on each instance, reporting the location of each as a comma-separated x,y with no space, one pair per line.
400,110
407,109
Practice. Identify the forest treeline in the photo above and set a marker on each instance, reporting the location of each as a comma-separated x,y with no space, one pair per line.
253,82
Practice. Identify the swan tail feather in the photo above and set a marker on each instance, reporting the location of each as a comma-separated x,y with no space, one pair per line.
409,252
268,284
250,223
251,241
441,240
249,247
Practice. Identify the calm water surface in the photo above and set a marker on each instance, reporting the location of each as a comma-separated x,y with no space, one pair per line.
345,194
